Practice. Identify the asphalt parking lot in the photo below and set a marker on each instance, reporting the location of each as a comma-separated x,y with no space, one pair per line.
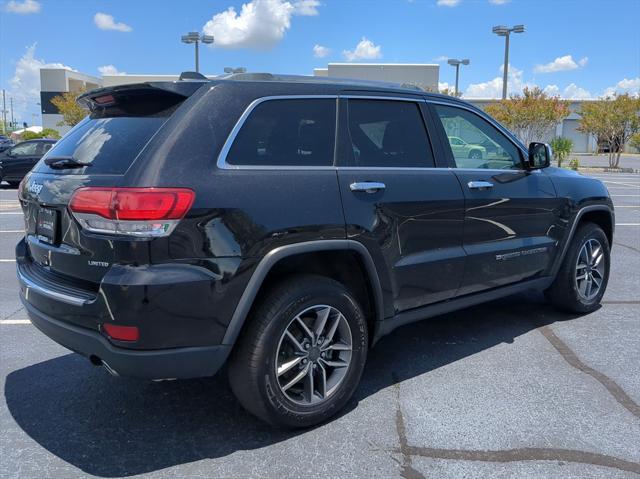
507,389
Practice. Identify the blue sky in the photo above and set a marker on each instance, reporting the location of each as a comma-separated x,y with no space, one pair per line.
574,48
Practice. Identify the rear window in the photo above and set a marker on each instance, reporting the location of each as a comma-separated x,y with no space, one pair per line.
294,132
108,145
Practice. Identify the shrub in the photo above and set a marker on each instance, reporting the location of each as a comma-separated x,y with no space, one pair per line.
574,164
561,148
635,141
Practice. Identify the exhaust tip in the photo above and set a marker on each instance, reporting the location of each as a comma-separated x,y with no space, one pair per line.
96,361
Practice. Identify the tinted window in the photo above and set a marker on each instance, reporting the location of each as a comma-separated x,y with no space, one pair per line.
388,133
474,142
109,145
298,132
25,149
44,147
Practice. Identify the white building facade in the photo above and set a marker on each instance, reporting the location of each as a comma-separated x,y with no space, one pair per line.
54,82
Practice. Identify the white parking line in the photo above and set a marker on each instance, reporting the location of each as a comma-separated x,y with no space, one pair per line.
627,206
15,321
11,231
11,213
623,184
627,224
613,196
7,260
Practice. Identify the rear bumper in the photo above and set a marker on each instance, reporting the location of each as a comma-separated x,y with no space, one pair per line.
172,363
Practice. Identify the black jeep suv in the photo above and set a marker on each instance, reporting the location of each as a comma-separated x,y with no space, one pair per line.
282,225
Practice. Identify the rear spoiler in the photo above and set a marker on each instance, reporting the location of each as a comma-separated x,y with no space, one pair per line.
166,92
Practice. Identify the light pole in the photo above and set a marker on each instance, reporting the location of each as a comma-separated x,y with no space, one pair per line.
456,63
196,38
503,31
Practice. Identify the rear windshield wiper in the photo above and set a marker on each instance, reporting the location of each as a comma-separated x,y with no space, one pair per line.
62,162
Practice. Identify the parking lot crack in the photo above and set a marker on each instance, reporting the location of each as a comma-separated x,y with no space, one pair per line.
610,385
408,472
527,454
632,248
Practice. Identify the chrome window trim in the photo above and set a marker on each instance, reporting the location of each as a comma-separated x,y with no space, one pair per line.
417,100
222,157
510,136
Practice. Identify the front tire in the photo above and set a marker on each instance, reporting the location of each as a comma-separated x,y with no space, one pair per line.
475,155
583,277
301,356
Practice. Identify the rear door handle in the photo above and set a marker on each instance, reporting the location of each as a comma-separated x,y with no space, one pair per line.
479,185
367,186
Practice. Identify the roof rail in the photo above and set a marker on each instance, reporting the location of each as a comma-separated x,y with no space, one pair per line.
192,76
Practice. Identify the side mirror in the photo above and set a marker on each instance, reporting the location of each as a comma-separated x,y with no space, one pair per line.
540,156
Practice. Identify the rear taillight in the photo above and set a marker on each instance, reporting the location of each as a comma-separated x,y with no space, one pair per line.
144,212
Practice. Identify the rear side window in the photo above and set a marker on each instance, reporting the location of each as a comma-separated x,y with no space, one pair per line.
108,145
388,133
296,132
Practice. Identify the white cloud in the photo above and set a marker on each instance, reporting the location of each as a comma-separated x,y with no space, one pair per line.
441,58
23,8
552,90
105,21
306,7
631,86
448,3
24,86
260,24
110,70
561,64
574,92
365,50
493,88
443,85
320,52
499,2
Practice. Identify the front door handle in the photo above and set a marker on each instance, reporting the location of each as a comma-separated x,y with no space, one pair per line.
367,186
479,185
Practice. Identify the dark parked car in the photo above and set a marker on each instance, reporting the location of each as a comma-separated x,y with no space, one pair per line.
283,225
16,161
5,143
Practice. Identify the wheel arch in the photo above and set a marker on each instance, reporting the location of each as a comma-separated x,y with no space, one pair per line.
271,261
602,215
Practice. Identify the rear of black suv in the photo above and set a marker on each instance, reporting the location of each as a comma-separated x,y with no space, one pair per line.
101,268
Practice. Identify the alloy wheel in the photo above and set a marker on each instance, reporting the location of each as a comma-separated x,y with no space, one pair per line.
313,355
590,268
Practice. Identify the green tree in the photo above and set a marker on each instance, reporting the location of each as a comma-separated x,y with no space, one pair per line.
561,148
71,112
530,115
613,120
635,141
45,133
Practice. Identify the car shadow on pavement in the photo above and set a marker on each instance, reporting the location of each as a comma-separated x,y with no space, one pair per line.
112,427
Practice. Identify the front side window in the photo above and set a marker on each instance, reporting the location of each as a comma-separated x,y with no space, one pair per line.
25,149
388,133
296,132
474,142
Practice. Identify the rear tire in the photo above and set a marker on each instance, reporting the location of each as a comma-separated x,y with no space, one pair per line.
275,348
582,279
